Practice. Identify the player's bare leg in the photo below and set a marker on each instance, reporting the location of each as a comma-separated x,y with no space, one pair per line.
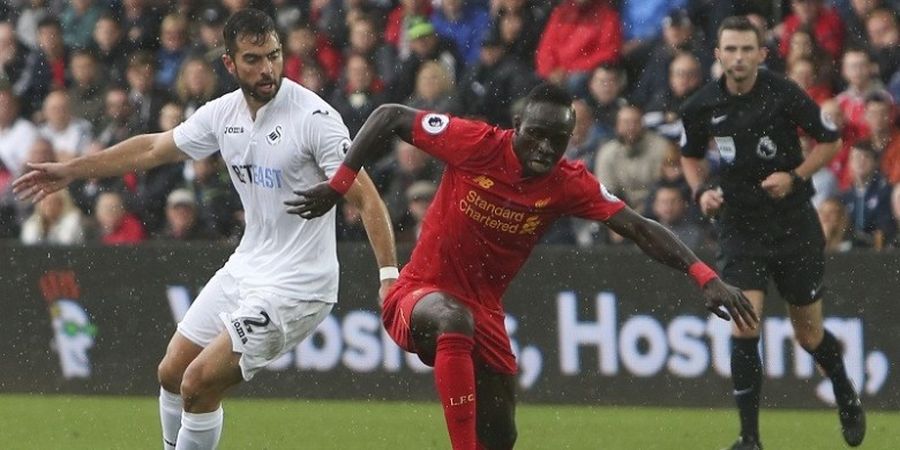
442,329
821,344
203,386
746,376
179,355
495,397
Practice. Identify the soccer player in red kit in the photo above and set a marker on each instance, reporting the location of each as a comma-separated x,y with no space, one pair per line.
500,192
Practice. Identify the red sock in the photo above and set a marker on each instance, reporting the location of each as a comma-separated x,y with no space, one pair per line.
454,377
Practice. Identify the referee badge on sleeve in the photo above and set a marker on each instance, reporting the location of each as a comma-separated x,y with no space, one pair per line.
435,123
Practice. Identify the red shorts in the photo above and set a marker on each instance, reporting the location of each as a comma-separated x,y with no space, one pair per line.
491,341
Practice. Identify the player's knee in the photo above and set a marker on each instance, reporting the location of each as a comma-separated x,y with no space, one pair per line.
456,318
809,339
169,375
194,386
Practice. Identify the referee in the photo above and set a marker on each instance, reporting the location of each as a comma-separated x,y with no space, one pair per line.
761,200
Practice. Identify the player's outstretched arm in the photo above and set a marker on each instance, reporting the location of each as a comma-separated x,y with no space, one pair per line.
387,122
377,221
662,245
135,154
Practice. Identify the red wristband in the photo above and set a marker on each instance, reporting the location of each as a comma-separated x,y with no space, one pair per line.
701,273
343,179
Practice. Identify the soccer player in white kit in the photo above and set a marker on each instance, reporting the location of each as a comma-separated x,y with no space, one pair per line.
276,137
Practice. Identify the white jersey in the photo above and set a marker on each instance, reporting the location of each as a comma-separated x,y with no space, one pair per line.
297,141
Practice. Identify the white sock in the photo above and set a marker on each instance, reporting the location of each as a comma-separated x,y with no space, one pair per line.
200,431
170,417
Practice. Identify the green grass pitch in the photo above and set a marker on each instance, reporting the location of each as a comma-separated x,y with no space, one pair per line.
76,422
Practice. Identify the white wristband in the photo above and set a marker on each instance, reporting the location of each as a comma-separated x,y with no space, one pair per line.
388,273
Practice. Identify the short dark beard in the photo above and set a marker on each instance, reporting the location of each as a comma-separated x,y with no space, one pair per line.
250,90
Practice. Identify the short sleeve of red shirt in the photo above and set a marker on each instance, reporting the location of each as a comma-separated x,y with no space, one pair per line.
589,199
451,139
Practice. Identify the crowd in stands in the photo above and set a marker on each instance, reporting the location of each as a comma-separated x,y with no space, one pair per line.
79,76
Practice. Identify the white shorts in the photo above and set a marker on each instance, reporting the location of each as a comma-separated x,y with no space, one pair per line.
262,325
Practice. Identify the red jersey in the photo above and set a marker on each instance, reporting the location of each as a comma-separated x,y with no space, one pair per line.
486,217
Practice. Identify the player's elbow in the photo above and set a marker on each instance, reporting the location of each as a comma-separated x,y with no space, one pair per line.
392,116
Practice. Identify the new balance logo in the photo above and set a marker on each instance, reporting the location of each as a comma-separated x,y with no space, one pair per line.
483,181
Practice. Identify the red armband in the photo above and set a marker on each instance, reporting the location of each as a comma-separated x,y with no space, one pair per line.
701,273
343,179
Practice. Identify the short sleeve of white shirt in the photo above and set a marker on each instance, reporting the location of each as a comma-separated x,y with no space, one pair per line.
196,136
329,139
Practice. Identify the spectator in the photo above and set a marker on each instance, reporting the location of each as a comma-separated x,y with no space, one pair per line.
670,208
868,199
803,46
170,116
399,21
854,18
662,113
394,175
195,85
605,96
629,164
824,22
518,25
884,40
78,20
365,40
145,97
212,47
16,133
464,22
53,51
55,221
850,133
580,35
349,223
25,71
490,86
359,94
314,78
304,46
835,225
425,45
652,70
27,23
69,135
434,90
182,220
118,122
804,72
641,19
418,197
110,48
85,91
140,25
116,226
884,135
173,40
858,72
586,136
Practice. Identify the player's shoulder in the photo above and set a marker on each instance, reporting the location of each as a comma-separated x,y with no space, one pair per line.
705,97
572,171
307,103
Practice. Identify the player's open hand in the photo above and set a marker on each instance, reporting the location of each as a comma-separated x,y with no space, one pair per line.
778,185
41,180
719,295
313,202
711,201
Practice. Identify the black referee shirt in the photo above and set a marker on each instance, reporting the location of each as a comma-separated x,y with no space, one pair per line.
755,134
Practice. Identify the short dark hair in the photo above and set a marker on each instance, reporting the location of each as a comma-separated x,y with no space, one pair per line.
879,97
49,21
549,93
866,147
740,23
252,24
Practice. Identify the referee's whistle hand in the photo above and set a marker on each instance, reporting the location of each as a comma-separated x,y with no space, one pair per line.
313,202
778,184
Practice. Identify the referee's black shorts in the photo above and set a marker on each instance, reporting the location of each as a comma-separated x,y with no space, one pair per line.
787,247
